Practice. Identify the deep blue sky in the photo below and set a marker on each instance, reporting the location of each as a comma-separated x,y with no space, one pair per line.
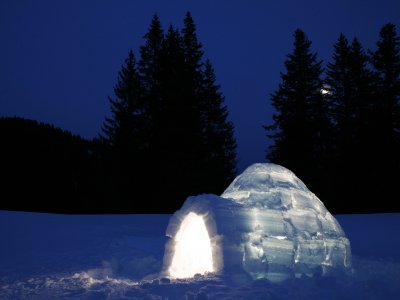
59,59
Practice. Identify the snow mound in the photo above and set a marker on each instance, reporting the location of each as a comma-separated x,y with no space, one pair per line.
266,224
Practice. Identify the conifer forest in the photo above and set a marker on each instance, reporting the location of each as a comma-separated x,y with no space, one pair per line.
168,135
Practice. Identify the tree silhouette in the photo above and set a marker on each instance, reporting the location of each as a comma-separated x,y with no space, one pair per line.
179,132
169,131
386,61
217,157
343,109
125,134
301,122
218,132
352,105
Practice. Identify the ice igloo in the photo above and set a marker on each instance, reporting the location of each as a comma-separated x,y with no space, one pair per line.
266,224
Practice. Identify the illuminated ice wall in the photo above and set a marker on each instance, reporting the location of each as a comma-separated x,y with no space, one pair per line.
266,224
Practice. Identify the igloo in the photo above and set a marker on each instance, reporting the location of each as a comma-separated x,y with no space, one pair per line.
266,224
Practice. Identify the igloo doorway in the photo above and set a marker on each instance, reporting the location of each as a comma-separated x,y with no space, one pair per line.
192,249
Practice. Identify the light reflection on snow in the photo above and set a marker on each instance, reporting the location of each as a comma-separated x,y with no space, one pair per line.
88,280
280,237
89,284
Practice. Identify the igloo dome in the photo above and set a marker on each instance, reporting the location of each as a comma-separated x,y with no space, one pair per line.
266,224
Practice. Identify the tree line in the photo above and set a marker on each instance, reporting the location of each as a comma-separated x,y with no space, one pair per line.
168,137
48,169
338,128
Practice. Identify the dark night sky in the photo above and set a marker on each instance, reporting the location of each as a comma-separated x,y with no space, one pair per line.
59,59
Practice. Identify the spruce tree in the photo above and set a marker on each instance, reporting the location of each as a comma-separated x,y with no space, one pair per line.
363,152
217,145
149,74
123,133
191,46
362,83
351,95
124,107
386,61
298,132
218,136
179,132
352,110
150,53
342,111
338,79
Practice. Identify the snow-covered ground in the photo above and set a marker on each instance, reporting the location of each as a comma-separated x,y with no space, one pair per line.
48,256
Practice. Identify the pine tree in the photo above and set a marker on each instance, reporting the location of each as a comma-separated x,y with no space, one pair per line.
338,79
363,151
219,142
342,111
124,107
192,47
300,121
362,83
217,147
123,131
352,109
351,84
150,53
179,132
150,78
149,73
386,61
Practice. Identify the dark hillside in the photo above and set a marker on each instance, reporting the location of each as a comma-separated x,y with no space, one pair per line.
47,169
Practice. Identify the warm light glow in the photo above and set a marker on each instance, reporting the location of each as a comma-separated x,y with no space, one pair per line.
325,92
192,252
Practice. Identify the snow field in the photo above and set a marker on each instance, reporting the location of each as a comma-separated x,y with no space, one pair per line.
46,256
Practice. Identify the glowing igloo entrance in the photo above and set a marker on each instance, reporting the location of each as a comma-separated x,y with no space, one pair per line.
192,251
266,224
